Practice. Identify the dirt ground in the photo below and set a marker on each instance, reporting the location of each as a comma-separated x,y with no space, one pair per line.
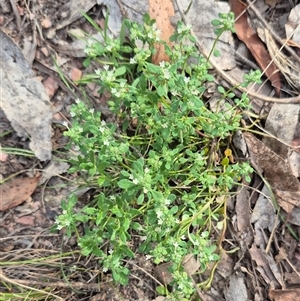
32,256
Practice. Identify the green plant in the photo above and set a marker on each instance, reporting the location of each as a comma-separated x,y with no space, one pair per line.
164,168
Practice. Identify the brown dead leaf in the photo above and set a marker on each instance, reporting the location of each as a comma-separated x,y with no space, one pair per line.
246,34
161,11
16,191
276,171
263,266
284,295
287,200
75,74
51,86
162,273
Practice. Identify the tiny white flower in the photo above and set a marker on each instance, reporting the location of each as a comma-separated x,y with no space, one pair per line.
122,84
101,129
145,190
106,142
106,67
131,177
104,270
186,79
92,110
148,257
103,122
132,61
157,33
147,170
150,35
162,64
135,181
166,74
110,251
64,212
176,244
159,214
113,90
160,222
143,238
64,123
59,227
167,202
98,71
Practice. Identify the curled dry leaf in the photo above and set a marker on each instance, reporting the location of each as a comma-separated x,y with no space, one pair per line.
16,191
161,11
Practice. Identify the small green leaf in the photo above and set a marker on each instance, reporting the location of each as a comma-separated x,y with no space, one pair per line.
217,53
125,184
140,199
221,90
162,290
120,71
216,22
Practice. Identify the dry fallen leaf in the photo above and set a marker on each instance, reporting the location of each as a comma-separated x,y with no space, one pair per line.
16,191
246,34
284,295
75,74
51,86
276,171
161,11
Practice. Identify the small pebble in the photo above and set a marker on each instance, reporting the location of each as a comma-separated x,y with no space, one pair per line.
46,23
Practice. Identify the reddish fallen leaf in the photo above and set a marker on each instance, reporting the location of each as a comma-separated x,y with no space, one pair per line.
16,191
25,220
75,74
161,11
246,34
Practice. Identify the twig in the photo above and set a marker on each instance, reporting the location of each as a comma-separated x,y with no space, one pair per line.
16,13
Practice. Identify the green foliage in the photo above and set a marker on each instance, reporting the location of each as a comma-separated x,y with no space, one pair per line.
160,170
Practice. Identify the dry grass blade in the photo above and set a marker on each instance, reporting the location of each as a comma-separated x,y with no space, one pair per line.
288,67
